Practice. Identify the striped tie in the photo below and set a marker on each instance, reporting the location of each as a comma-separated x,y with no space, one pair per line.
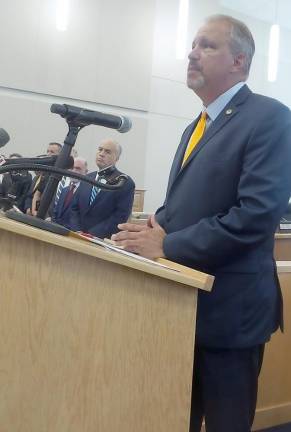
196,136
61,186
94,192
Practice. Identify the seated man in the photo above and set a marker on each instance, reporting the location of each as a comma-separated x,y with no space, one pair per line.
14,187
99,211
34,194
62,206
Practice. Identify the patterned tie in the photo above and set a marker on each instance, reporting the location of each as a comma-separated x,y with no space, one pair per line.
69,195
94,192
196,136
61,186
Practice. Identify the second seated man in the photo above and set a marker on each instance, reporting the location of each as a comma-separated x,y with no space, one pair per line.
98,211
62,206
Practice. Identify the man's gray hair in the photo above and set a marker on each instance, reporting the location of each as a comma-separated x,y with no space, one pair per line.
82,160
241,39
118,148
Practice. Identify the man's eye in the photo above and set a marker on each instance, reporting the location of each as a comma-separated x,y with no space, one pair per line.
208,45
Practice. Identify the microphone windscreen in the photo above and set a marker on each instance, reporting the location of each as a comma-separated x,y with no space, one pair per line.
4,137
125,125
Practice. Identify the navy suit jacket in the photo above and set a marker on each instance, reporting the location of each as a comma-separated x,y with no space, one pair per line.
220,214
108,210
61,214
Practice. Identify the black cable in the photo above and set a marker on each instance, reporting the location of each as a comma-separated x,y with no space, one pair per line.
117,184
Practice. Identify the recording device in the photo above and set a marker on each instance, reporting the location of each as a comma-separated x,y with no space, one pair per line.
4,137
83,117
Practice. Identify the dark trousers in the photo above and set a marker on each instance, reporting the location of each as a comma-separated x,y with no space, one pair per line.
224,389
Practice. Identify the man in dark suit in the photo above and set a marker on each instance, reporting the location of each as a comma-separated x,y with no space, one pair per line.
63,203
229,184
34,194
14,187
98,211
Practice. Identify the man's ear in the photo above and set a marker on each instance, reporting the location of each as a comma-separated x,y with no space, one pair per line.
239,62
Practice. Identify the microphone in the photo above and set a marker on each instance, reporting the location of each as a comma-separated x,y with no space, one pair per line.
43,160
4,137
84,117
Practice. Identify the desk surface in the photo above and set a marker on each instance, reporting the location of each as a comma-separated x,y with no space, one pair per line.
284,266
184,275
283,236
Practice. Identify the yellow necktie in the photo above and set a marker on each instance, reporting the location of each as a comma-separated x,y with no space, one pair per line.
196,136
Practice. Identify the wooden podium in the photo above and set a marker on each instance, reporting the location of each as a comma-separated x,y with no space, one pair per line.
92,341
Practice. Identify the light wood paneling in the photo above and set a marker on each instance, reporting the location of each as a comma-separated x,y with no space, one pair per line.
104,56
138,201
184,275
274,401
283,247
88,344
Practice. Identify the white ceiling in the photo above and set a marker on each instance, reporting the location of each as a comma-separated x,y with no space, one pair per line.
265,10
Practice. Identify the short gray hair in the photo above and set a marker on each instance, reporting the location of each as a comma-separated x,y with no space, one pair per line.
82,160
241,39
117,146
118,149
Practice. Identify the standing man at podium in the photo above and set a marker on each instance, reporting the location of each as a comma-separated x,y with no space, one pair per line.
228,187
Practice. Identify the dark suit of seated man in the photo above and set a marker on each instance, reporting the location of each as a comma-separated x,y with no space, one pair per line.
33,196
97,211
63,203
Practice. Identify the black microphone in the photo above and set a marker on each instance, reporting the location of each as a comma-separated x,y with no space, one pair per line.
43,160
84,117
4,137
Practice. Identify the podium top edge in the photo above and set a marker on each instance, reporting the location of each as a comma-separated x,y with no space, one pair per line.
177,273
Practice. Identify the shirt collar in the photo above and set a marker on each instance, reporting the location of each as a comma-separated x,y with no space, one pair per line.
214,109
102,171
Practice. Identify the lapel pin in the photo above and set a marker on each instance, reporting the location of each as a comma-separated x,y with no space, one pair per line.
228,111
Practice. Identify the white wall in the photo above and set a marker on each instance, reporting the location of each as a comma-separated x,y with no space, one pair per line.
116,57
102,62
173,106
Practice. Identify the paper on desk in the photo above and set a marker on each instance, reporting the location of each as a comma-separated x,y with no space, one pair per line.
110,246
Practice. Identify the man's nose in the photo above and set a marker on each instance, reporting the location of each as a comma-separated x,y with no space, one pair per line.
194,54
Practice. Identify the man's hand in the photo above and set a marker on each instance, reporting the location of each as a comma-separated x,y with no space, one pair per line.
146,240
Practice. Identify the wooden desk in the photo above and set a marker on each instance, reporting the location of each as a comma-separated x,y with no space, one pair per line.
138,201
282,250
274,399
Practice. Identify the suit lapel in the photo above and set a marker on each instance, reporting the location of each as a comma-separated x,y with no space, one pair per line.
177,162
229,111
224,117
110,175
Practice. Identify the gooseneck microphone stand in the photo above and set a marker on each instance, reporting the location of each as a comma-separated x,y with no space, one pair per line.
54,179
57,171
